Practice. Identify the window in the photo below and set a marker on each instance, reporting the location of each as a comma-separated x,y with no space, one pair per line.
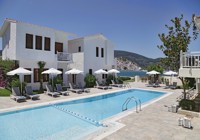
90,71
79,49
58,47
38,43
97,51
36,75
104,76
102,52
47,43
29,41
27,78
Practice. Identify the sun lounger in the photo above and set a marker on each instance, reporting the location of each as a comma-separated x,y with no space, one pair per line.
30,94
174,85
150,84
156,84
60,90
16,95
116,85
166,85
75,90
101,87
50,91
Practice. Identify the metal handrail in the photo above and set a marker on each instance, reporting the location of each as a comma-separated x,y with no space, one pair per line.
136,102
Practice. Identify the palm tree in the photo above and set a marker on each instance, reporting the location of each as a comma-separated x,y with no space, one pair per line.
41,65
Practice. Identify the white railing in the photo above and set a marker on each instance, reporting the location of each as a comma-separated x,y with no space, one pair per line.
62,56
190,59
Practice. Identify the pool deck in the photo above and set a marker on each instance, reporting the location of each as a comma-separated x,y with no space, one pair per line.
154,122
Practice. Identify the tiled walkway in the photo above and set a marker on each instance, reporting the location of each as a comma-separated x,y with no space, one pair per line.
154,122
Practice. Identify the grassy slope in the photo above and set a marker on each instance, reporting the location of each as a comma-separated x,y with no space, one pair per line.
5,92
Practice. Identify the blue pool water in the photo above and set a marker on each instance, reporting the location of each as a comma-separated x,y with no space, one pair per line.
48,122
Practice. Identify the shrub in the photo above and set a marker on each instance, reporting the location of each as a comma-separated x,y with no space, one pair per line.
124,78
56,80
187,104
109,78
17,83
90,80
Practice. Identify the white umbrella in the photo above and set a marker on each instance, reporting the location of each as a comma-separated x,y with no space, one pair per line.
170,73
113,71
52,72
153,72
74,72
101,71
20,71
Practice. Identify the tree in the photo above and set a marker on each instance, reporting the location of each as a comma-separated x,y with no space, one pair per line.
41,65
5,66
177,39
155,67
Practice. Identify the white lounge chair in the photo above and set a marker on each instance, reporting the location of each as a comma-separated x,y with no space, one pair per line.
60,90
116,85
30,94
50,91
174,85
16,95
74,90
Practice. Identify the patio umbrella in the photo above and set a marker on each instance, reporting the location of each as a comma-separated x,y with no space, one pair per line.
74,72
113,71
20,71
170,73
100,71
52,72
153,72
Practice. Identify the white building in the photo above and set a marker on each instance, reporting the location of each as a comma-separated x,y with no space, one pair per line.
27,44
190,63
91,53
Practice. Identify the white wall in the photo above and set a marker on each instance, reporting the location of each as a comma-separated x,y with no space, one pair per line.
9,43
74,44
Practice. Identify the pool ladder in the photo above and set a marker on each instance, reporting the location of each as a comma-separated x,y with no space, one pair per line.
137,102
92,121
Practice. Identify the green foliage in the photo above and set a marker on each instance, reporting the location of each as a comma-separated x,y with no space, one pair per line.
41,65
17,83
187,104
124,78
190,82
90,80
178,38
5,66
109,78
56,80
155,67
5,92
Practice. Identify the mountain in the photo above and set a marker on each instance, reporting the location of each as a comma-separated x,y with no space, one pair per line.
138,60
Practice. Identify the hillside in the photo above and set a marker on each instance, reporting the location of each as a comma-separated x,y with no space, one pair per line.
139,60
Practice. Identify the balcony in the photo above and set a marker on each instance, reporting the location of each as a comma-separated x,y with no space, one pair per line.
62,56
189,64
190,60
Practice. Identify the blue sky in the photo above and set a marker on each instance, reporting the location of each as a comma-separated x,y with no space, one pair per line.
132,25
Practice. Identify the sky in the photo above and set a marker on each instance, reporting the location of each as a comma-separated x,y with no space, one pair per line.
132,25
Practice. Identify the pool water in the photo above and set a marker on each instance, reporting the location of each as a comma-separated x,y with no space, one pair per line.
48,122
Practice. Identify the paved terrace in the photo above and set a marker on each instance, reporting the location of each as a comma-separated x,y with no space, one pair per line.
154,122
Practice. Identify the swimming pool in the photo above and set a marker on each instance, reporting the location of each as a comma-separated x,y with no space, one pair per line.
68,120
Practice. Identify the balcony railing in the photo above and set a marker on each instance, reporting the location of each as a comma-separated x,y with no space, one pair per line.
62,56
190,60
